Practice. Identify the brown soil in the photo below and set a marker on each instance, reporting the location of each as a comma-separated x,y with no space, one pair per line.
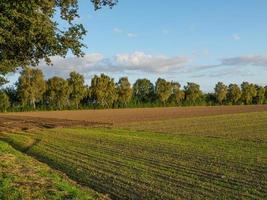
25,123
98,117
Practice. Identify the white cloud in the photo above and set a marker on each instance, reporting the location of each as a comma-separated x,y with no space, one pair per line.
131,35
236,37
165,31
117,30
255,60
121,63
150,63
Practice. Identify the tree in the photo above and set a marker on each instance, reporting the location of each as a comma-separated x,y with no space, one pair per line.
77,88
31,86
143,91
265,94
13,96
248,92
124,91
234,93
58,91
192,92
260,97
30,33
220,92
163,90
4,102
103,90
177,94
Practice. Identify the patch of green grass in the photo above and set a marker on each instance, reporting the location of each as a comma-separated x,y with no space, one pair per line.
185,163
245,126
22,177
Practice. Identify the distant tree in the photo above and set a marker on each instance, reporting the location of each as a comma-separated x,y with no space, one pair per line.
12,94
143,91
103,90
248,92
30,32
177,95
57,92
77,88
163,90
220,92
260,97
234,93
124,91
4,102
31,86
210,99
192,93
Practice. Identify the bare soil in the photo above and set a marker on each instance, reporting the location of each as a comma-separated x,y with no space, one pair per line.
116,116
26,123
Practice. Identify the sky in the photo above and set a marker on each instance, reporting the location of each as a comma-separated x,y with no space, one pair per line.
186,41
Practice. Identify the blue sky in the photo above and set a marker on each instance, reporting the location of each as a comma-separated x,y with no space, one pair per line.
202,41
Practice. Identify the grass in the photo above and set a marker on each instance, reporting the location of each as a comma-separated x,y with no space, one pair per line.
22,177
218,157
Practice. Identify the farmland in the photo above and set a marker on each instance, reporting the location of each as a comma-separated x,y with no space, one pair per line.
183,153
22,177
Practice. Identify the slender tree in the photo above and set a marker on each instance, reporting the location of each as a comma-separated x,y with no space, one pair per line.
58,91
4,102
163,90
248,92
77,88
260,97
103,90
234,93
220,92
31,86
143,91
178,95
124,91
192,93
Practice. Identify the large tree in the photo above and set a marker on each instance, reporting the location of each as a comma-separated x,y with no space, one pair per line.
249,91
234,93
260,97
220,92
30,31
31,86
103,90
178,95
124,91
4,101
143,91
192,93
58,91
163,90
77,88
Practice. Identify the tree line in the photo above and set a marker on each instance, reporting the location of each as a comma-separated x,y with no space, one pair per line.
33,92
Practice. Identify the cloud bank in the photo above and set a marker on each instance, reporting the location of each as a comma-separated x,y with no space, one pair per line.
139,62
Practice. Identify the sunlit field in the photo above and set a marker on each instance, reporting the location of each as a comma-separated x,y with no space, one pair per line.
222,156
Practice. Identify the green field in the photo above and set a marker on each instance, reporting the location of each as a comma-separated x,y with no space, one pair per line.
216,157
22,177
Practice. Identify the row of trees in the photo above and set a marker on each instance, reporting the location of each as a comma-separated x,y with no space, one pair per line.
32,91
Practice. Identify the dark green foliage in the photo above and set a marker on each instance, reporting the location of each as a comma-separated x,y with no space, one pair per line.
143,91
29,32
105,93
